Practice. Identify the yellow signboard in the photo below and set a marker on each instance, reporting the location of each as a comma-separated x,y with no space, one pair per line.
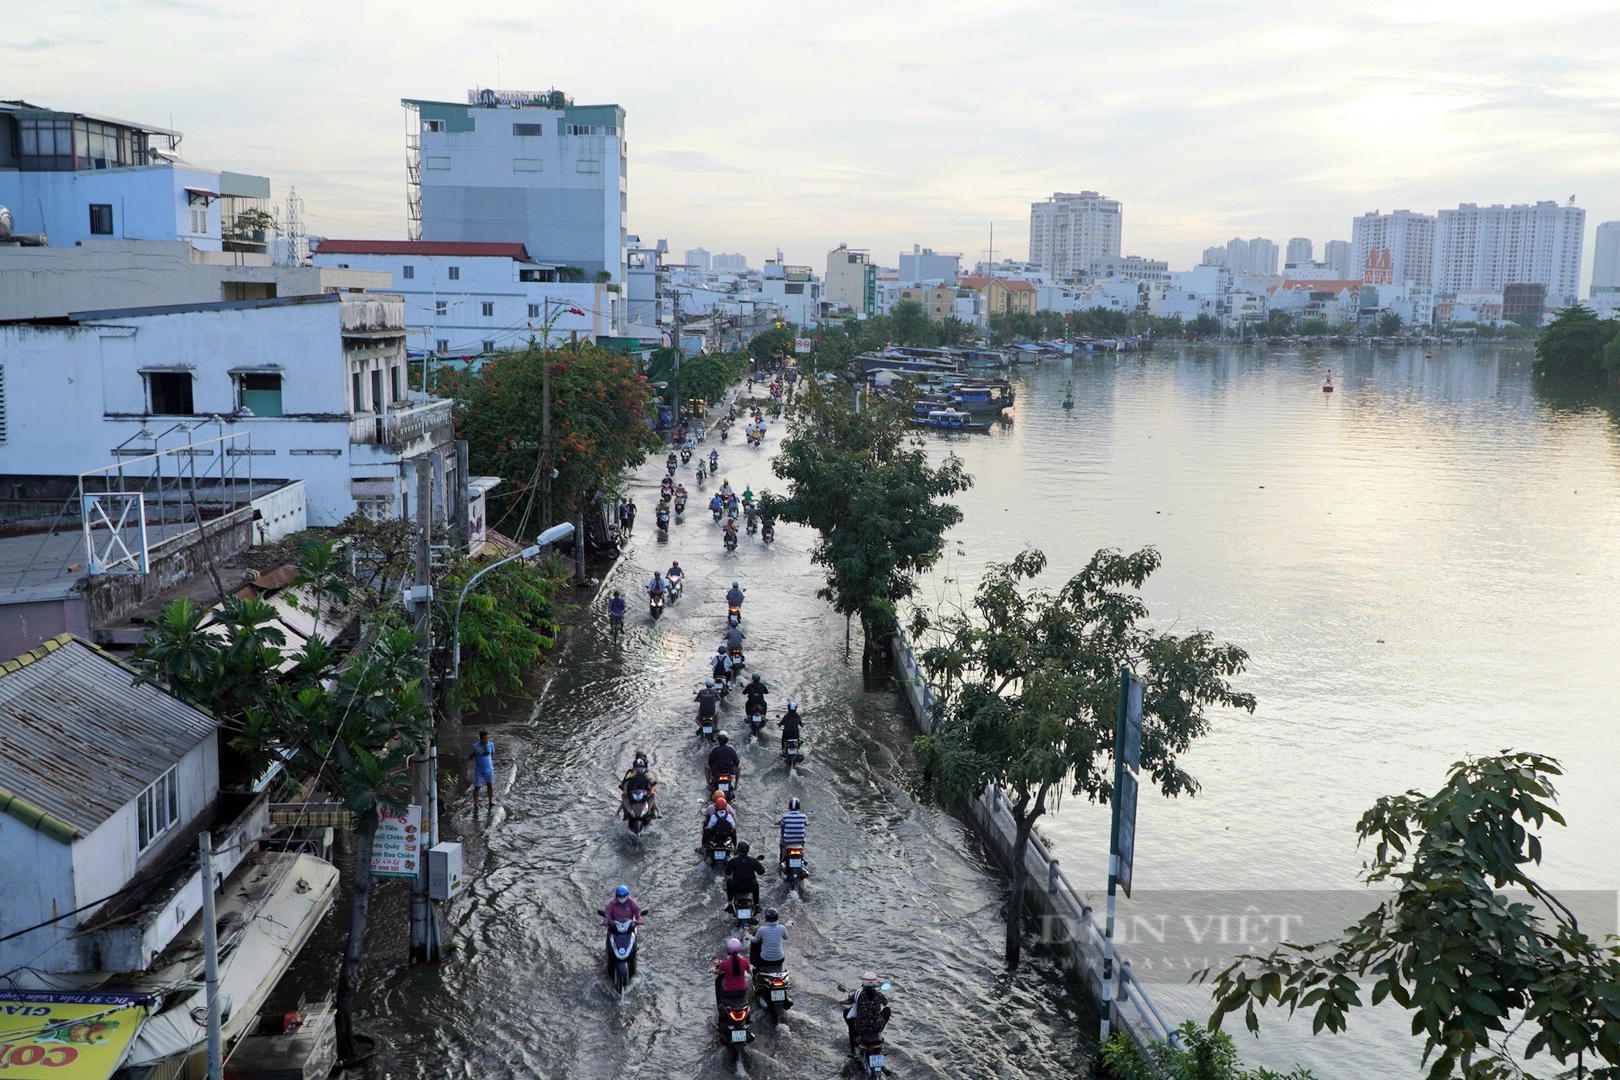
67,1036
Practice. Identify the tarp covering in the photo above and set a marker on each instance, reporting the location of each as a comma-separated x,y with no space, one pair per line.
67,1036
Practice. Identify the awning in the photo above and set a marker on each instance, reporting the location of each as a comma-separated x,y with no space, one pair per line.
199,194
67,1036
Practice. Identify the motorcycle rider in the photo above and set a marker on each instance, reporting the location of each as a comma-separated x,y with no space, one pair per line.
623,906
655,587
718,819
765,947
714,461
731,975
661,518
734,596
616,610
723,759
675,576
680,493
748,495
734,640
708,700
725,489
866,1012
755,692
791,723
792,826
722,665
742,874
729,532
640,778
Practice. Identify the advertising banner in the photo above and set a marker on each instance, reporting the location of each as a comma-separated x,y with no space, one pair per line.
67,1036
396,850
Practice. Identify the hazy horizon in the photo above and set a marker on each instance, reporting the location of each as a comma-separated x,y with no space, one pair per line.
884,126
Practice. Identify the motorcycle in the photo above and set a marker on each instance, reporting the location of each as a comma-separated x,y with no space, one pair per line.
793,864
718,846
767,532
753,525
756,716
655,605
725,431
736,659
672,586
734,1025
662,521
869,1048
666,488
792,753
743,907
621,950
733,619
686,456
637,807
731,541
717,512
680,505
724,783
771,989
702,473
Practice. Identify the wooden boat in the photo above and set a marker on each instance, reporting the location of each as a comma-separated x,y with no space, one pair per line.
949,420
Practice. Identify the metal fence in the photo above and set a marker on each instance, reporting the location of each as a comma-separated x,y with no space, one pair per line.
1071,921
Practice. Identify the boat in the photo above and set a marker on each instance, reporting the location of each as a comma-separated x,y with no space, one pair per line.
949,420
978,399
900,362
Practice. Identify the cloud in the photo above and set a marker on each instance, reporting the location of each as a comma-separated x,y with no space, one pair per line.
45,44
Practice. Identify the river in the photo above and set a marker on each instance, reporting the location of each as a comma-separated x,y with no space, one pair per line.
1422,565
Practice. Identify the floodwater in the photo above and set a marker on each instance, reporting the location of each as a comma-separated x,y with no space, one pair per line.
894,886
1423,565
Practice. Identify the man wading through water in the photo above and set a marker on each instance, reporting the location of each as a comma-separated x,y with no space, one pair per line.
482,756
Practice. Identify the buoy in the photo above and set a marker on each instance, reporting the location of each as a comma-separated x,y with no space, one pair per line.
1327,387
1068,395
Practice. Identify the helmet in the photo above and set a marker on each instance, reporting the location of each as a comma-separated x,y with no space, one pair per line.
733,945
722,738
616,592
793,706
734,585
719,801
756,676
709,683
793,804
770,915
721,650
742,847
869,978
622,891
674,564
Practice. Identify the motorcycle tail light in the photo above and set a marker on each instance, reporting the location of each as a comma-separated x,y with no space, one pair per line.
738,1016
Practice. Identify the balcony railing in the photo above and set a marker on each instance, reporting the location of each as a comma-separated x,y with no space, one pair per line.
398,427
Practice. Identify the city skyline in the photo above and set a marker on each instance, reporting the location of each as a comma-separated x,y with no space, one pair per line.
886,128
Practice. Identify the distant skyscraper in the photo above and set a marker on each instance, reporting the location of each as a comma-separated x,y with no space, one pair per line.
1263,256
519,167
1068,231
1336,253
1214,256
723,261
1491,247
697,259
1606,259
1257,256
1409,239
1299,250
926,264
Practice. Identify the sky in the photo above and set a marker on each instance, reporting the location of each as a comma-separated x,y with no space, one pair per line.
753,126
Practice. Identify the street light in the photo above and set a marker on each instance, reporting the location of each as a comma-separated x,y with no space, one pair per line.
550,536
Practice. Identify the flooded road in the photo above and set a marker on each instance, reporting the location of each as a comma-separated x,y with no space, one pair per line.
894,886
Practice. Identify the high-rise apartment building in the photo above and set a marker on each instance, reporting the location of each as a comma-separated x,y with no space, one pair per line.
1337,254
733,261
697,259
1257,256
1407,237
1606,259
515,166
852,278
1068,231
1489,247
1299,251
926,264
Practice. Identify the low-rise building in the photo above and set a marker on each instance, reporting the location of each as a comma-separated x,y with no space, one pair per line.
1004,295
852,279
938,301
1129,268
794,289
315,386
1334,301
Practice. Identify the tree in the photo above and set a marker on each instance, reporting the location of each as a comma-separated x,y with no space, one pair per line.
1465,959
1205,325
1277,324
1389,324
1029,689
910,322
1315,328
601,422
1201,1055
767,345
863,481
1574,345
507,623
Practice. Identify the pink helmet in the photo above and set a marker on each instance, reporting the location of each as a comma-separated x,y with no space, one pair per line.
733,946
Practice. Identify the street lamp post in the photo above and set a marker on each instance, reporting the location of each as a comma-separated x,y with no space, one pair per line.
550,536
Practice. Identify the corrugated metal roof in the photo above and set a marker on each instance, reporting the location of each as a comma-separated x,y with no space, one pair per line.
467,248
79,741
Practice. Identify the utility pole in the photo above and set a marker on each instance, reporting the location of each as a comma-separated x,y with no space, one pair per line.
424,764
205,853
680,354
548,463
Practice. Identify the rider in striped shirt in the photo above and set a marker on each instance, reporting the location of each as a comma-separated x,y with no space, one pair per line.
793,825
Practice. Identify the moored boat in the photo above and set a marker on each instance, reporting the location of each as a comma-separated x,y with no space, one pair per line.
949,420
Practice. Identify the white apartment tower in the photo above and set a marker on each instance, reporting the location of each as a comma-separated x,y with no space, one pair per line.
514,166
1068,231
1336,254
1299,251
1606,259
1409,239
698,259
1488,247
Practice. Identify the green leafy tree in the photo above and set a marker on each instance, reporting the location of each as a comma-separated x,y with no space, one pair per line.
863,481
910,322
1315,328
1029,688
1472,964
954,332
508,622
1278,323
1574,345
1200,1055
767,345
1389,324
1204,326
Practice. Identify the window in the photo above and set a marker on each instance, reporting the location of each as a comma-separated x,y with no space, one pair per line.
393,384
436,162
489,347
588,165
2,404
433,125
489,309
358,387
441,307
522,164
455,273
534,311
168,393
527,129
199,220
259,392
408,272
157,808
593,129
794,289
442,346
101,219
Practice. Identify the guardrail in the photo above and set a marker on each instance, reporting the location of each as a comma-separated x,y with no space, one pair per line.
1070,918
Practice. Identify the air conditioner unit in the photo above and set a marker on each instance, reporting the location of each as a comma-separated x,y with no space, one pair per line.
444,871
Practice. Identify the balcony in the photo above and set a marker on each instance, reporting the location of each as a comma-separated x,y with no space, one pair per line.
401,425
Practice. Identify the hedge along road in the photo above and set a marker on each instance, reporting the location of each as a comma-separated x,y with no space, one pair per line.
894,886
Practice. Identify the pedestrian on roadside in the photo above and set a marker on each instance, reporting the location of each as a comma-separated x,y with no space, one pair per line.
482,756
